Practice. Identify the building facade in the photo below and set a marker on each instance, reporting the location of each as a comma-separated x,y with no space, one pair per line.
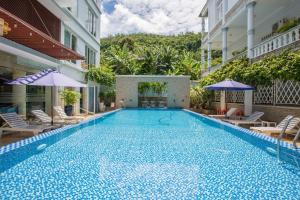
58,34
251,28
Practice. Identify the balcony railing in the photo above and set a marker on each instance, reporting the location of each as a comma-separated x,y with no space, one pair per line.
277,42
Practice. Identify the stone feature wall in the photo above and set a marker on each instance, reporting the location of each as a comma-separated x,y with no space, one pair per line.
178,89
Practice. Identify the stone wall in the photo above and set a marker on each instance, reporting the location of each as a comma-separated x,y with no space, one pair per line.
178,89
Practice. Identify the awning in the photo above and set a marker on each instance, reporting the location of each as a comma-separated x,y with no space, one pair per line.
27,35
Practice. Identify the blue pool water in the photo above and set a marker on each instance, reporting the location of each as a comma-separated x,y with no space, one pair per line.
148,154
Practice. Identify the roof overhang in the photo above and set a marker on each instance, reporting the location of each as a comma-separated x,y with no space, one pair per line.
55,9
204,11
27,35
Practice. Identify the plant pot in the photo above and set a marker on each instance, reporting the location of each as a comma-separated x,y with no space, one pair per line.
69,110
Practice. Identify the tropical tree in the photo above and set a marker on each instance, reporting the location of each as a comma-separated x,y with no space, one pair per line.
121,60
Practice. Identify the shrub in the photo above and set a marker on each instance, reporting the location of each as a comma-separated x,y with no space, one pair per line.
70,96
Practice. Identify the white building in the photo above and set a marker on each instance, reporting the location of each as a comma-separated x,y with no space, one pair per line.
60,34
248,27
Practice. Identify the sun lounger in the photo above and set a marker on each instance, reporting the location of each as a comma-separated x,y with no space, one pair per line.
62,115
291,128
13,122
253,119
45,118
229,113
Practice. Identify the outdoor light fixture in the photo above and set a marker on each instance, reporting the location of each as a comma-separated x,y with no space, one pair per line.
4,27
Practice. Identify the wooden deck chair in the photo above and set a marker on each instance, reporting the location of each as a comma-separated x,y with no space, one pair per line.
13,122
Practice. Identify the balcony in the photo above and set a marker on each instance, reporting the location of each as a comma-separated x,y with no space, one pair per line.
34,26
288,39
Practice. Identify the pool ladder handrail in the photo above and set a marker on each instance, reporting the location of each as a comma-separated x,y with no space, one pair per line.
281,135
295,139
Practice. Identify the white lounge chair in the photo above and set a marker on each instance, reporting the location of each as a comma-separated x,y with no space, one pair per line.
228,114
62,115
45,118
253,119
13,122
291,128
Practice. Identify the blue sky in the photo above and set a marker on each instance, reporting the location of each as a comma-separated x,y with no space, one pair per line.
150,16
108,6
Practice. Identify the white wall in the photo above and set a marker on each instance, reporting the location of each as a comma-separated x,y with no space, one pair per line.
211,14
264,26
231,3
178,89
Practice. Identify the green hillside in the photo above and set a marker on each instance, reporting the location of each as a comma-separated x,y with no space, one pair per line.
153,54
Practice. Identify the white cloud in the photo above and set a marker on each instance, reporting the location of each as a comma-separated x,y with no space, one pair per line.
152,16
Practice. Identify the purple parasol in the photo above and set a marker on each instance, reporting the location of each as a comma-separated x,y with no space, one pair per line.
229,85
49,77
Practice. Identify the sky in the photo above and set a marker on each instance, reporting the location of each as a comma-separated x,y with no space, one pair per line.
150,16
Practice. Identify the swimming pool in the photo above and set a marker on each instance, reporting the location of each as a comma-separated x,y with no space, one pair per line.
148,154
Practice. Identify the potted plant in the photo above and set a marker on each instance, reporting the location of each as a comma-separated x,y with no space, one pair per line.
70,97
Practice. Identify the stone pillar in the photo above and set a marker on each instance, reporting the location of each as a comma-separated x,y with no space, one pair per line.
19,93
209,55
224,44
202,59
250,28
223,100
248,102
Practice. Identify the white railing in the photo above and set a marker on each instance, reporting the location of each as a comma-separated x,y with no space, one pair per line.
277,42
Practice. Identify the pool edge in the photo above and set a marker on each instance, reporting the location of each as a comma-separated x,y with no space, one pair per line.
16,145
247,131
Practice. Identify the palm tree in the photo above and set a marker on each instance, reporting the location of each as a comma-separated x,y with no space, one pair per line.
121,60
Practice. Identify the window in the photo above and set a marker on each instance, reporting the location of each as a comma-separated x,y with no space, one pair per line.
67,39
91,25
90,57
219,10
70,41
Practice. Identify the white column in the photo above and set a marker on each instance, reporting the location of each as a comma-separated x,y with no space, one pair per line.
19,93
85,99
224,44
203,26
76,110
250,28
225,8
202,49
248,102
223,100
202,59
209,55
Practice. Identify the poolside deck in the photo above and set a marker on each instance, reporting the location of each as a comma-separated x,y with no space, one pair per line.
12,137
